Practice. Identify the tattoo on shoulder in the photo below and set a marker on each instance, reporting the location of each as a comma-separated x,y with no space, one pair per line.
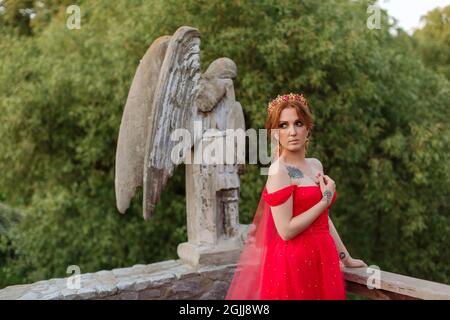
342,255
294,172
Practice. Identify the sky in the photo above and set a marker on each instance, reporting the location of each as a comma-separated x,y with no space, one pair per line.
408,12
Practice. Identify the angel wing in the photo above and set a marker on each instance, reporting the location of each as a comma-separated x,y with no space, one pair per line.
174,108
134,127
161,99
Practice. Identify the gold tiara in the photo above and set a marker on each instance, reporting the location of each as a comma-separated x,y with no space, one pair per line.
286,97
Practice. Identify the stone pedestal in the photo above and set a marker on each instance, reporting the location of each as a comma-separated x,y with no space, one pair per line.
197,255
212,205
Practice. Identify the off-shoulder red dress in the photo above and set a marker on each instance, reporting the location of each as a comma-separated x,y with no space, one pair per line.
305,267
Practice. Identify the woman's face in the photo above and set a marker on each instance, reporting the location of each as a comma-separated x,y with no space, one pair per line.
291,131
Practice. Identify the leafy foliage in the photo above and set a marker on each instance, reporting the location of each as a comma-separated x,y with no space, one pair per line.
433,40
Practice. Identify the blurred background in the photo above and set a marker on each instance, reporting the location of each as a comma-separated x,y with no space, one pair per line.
378,90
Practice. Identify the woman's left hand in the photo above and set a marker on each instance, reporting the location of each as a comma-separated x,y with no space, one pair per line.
353,263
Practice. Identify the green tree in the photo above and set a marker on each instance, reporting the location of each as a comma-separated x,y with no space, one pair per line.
26,17
433,40
17,15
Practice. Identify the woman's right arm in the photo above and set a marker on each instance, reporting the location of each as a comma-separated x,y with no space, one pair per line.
287,226
301,222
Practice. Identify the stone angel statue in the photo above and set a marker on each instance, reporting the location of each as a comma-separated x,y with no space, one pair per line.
170,93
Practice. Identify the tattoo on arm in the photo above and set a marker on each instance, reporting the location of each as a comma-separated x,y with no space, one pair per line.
327,195
294,172
342,255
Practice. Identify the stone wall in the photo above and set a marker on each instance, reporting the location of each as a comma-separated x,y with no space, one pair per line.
170,279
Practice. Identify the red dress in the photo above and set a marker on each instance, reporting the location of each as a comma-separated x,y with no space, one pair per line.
306,266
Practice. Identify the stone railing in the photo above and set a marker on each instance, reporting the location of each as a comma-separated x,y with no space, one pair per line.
173,279
393,286
170,279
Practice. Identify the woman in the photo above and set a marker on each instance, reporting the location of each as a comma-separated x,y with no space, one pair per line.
293,250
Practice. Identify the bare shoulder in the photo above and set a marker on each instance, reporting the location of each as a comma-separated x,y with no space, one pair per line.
278,177
316,163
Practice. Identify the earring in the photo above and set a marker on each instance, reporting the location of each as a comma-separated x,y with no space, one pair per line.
279,149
